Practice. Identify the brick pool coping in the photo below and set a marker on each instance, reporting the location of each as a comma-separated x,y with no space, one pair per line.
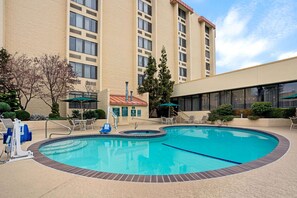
277,153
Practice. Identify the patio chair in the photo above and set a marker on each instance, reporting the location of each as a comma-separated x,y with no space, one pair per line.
203,120
106,128
74,124
7,123
174,119
163,120
293,122
90,123
190,120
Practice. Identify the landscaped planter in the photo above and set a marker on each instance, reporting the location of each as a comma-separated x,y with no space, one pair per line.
262,122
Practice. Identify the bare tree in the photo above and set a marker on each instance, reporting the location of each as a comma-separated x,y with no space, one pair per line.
57,79
26,76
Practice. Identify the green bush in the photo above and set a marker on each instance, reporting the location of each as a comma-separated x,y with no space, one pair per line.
253,117
227,118
290,112
76,114
53,116
22,115
261,109
10,115
90,114
213,116
276,113
55,111
100,114
224,110
4,107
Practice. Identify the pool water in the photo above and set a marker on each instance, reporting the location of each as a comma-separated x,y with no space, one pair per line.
183,150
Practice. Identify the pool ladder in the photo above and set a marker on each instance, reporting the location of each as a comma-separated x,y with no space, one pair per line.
69,129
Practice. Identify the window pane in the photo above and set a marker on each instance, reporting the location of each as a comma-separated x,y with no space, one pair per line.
214,100
270,94
252,95
79,45
225,97
205,102
72,18
78,69
93,49
196,103
79,21
188,103
87,71
93,72
238,99
124,111
72,44
88,48
286,90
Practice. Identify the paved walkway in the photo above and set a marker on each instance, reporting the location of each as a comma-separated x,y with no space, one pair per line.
28,178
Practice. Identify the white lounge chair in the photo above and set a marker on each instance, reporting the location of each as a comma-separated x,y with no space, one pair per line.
163,120
191,119
7,123
202,121
74,124
293,122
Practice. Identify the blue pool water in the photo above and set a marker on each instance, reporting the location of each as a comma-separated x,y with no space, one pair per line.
183,150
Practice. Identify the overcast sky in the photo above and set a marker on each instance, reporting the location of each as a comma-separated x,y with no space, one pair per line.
250,32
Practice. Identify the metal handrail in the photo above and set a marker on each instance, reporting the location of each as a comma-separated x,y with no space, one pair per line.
70,130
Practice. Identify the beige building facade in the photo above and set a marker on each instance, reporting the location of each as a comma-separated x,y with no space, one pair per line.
108,42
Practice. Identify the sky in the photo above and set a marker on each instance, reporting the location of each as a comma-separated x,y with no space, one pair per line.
250,32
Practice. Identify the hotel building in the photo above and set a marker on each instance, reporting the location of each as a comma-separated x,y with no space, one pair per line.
108,43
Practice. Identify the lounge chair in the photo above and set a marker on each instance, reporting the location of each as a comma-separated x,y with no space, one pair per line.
7,123
163,120
106,128
90,123
74,124
174,120
293,122
203,120
191,119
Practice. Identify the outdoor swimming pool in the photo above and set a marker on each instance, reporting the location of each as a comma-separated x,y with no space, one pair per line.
184,150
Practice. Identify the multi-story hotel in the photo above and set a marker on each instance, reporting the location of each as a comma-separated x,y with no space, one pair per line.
108,43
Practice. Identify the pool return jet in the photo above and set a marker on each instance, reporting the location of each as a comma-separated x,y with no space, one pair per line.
14,138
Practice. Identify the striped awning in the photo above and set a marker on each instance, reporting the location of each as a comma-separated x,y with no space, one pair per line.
120,100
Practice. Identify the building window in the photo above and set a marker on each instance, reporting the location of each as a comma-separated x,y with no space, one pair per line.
86,105
124,111
138,113
238,99
270,94
144,25
182,42
225,97
182,13
144,43
285,90
83,46
84,71
206,29
196,102
182,57
142,61
207,66
207,41
205,102
214,99
89,3
116,111
83,22
207,54
182,28
144,7
183,72
140,79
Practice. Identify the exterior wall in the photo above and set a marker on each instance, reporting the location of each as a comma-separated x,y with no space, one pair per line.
2,23
279,71
103,99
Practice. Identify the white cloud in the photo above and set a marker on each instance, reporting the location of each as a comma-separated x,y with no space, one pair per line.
245,33
287,55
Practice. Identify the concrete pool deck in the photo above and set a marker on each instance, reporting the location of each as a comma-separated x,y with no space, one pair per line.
29,178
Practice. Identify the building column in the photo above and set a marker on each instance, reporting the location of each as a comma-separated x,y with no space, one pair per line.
2,23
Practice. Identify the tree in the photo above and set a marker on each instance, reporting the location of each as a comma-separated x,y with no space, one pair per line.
150,84
165,87
57,78
5,72
26,75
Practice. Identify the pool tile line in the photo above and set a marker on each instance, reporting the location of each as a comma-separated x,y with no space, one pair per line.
277,153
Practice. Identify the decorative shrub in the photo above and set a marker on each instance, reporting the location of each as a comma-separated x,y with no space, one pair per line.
289,112
227,118
4,107
100,114
75,114
55,111
53,116
35,117
225,109
213,116
276,113
261,109
253,117
22,115
10,115
90,114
